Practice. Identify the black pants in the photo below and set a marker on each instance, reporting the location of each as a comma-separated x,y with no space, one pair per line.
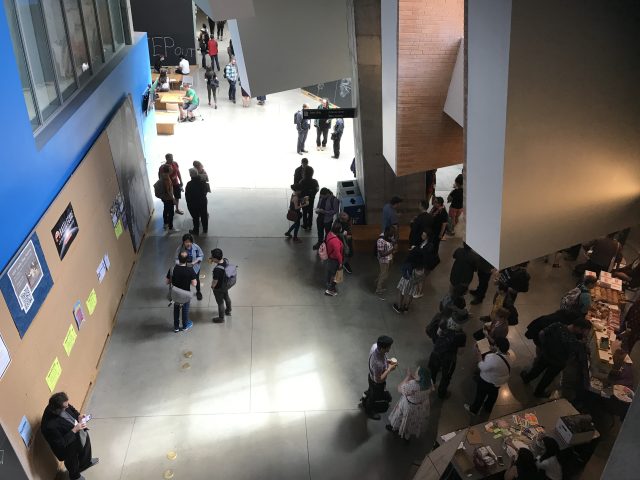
483,284
323,229
220,31
232,90
211,92
222,298
307,214
324,132
487,394
204,58
167,212
446,363
200,216
540,365
77,458
376,391
336,147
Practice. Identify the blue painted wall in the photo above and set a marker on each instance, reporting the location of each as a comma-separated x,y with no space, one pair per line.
32,178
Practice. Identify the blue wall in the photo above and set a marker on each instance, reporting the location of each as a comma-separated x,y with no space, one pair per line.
31,179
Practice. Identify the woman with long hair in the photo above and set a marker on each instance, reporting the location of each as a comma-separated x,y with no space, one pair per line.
407,416
295,213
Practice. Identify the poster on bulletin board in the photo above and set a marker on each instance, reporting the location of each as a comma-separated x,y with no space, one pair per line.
65,231
26,283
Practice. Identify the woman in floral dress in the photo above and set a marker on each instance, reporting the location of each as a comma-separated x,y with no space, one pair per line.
412,409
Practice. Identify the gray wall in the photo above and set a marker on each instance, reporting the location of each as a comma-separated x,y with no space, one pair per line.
389,39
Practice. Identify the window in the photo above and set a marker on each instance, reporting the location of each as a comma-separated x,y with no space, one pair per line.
59,45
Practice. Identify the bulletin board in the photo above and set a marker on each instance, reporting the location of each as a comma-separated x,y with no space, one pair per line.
54,354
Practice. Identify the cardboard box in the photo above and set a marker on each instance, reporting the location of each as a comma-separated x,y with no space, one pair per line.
575,429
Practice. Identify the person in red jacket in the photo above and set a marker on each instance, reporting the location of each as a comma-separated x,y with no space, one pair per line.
213,52
335,253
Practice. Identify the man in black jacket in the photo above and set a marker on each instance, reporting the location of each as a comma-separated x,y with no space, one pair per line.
309,188
196,195
298,172
65,430
446,343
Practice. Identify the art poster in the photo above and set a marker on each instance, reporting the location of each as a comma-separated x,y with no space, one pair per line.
65,231
5,358
26,283
78,314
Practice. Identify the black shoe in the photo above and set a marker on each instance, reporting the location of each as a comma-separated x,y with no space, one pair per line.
287,234
333,156
389,427
374,416
316,246
396,308
199,295
195,232
523,376
217,320
227,313
299,153
347,268
305,151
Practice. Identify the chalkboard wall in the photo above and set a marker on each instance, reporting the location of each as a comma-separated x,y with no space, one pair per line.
169,27
338,92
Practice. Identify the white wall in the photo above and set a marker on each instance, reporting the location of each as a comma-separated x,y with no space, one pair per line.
389,44
454,104
226,9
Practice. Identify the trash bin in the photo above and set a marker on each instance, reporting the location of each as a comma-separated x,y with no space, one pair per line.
351,200
347,187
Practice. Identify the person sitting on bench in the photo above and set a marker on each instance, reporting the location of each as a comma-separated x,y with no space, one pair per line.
183,66
163,81
191,102
158,65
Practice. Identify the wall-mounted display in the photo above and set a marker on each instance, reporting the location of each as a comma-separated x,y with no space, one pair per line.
65,231
26,283
5,358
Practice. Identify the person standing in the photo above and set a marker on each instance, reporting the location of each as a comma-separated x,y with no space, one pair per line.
558,343
385,246
309,188
430,184
194,257
463,267
219,285
440,220
379,369
296,203
390,214
165,193
421,223
336,136
176,180
212,49
158,64
328,206
347,239
202,173
196,196
212,85
181,279
335,252
302,126
220,28
65,430
322,126
183,66
495,370
297,173
446,343
203,44
484,270
412,409
456,200
231,74
548,462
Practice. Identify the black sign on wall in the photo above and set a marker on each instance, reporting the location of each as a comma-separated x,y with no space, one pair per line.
169,27
65,231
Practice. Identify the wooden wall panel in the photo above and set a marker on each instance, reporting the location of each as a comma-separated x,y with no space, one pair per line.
429,34
23,390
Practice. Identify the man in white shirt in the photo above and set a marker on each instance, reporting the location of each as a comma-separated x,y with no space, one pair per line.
183,66
494,372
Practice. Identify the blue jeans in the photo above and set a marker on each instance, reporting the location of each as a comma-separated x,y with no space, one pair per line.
295,226
232,90
176,315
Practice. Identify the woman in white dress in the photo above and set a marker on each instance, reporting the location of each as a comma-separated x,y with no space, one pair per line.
412,409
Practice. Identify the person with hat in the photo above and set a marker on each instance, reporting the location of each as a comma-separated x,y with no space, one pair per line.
379,369
193,260
195,193
494,372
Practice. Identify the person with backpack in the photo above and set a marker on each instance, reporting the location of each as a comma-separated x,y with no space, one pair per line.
385,246
335,258
336,136
495,371
463,267
212,86
212,49
379,369
347,239
448,339
203,43
537,325
515,279
194,258
302,126
578,299
181,278
327,208
221,284
163,189
231,75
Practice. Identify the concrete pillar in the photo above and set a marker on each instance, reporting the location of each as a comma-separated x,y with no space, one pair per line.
375,176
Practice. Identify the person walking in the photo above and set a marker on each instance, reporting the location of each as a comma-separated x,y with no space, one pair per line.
335,260
176,180
219,285
194,258
309,188
297,173
302,126
408,286
181,278
495,370
412,409
212,49
65,430
558,344
336,136
443,358
322,126
296,203
220,28
347,239
212,86
379,369
328,206
203,44
195,194
385,247
231,74
163,189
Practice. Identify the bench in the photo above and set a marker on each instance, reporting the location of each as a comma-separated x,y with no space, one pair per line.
165,123
365,236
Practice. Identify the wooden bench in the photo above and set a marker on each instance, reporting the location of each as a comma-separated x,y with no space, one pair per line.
166,122
365,236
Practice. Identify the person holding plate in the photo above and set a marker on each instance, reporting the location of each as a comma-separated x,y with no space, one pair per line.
379,368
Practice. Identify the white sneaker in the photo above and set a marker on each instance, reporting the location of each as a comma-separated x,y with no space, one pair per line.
418,295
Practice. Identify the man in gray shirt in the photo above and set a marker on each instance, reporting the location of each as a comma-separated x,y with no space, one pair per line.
379,368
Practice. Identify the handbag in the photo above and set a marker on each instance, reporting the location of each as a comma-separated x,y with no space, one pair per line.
339,277
293,215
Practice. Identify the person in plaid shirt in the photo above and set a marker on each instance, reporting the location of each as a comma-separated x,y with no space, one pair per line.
231,74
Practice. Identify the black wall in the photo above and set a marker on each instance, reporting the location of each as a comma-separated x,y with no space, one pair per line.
169,26
338,92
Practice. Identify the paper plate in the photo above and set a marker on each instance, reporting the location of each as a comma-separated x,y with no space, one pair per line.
623,393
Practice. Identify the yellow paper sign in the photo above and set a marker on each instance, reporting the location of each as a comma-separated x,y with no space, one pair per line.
119,229
92,301
69,340
54,374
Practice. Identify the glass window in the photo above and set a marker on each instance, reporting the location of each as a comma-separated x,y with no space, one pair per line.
116,22
38,57
93,36
60,47
76,37
22,64
105,28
